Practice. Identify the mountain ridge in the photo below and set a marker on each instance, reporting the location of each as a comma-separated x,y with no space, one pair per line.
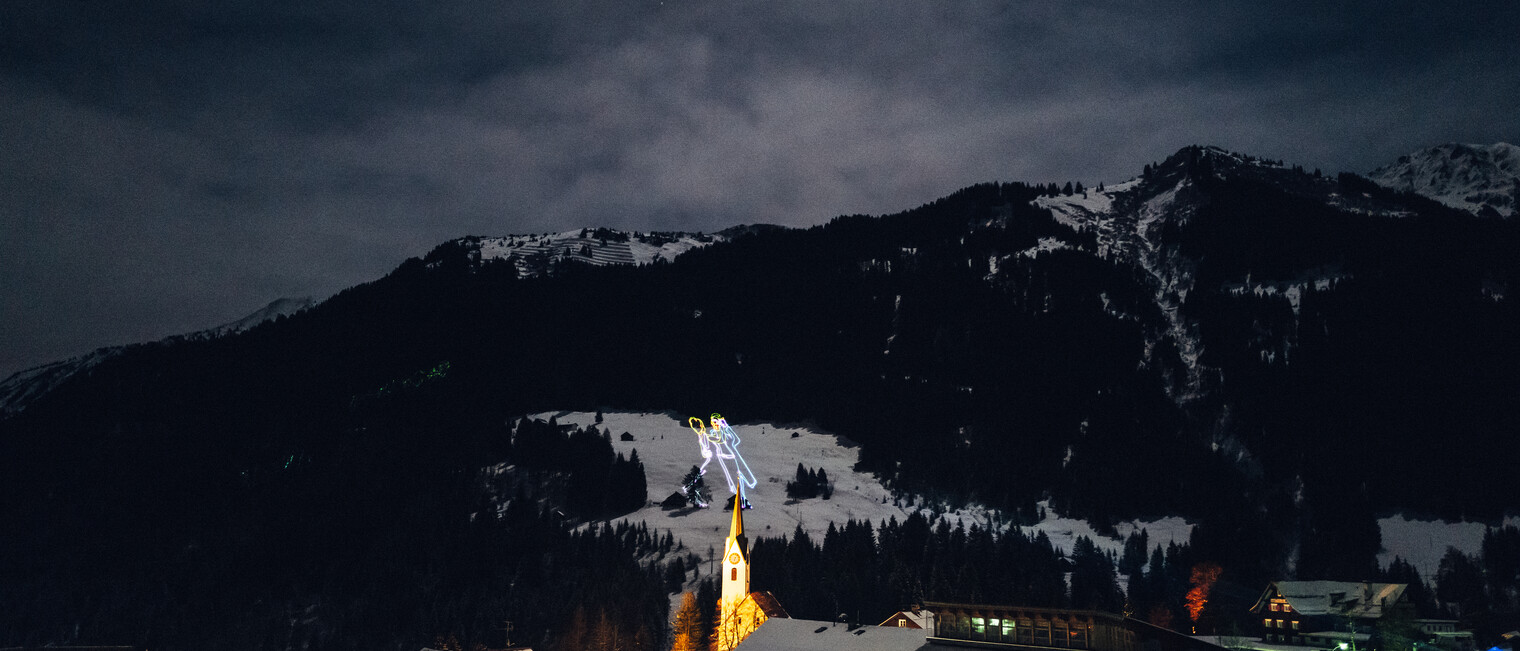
1481,179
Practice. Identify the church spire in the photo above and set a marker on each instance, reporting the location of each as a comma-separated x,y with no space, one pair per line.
736,528
735,577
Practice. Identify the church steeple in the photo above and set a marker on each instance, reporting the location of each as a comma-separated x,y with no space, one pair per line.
736,556
736,528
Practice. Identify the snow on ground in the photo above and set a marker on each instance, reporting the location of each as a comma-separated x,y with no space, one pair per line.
1423,542
23,387
1045,245
644,253
668,450
1083,212
634,251
1294,290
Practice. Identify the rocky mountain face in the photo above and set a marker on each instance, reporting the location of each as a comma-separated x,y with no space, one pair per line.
1277,354
1481,179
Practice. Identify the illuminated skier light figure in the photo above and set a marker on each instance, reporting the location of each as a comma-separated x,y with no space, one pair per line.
722,441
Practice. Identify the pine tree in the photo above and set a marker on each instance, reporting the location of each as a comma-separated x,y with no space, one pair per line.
675,574
687,627
1093,584
695,489
606,636
1134,553
574,637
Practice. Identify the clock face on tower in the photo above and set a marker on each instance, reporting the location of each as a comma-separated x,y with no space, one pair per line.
733,558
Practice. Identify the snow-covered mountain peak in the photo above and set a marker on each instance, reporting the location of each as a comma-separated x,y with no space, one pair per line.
532,255
1481,179
274,310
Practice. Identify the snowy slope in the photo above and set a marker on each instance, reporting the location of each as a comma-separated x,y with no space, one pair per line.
24,387
1129,229
1482,179
668,450
1422,543
532,254
275,309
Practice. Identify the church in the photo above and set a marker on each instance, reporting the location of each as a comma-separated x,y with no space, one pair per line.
741,613
755,621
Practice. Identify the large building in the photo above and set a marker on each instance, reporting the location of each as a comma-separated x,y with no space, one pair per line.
1041,629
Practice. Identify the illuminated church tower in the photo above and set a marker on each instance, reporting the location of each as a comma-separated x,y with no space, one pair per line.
739,614
735,559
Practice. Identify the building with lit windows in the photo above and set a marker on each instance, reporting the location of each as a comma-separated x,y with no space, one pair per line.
1014,627
1325,614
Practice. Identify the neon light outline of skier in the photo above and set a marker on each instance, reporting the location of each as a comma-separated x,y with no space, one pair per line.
722,441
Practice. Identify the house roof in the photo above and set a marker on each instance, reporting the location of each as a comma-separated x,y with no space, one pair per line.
808,635
920,618
1337,598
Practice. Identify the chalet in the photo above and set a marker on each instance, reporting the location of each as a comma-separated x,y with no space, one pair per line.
1326,614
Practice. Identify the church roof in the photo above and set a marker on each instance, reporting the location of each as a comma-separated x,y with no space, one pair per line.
769,605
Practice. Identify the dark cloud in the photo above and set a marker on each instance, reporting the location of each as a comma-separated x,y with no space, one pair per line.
169,166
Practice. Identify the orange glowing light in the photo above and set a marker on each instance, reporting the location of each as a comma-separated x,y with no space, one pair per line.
1205,575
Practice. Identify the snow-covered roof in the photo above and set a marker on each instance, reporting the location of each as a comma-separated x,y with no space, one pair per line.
1340,598
808,634
919,617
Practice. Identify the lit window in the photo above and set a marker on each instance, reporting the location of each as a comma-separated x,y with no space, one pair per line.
1295,624
1267,623
1274,607
978,625
1280,624
1287,608
902,623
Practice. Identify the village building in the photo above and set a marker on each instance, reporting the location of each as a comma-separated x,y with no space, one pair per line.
1016,627
1325,614
1336,615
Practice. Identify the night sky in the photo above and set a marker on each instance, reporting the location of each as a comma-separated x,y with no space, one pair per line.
169,166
